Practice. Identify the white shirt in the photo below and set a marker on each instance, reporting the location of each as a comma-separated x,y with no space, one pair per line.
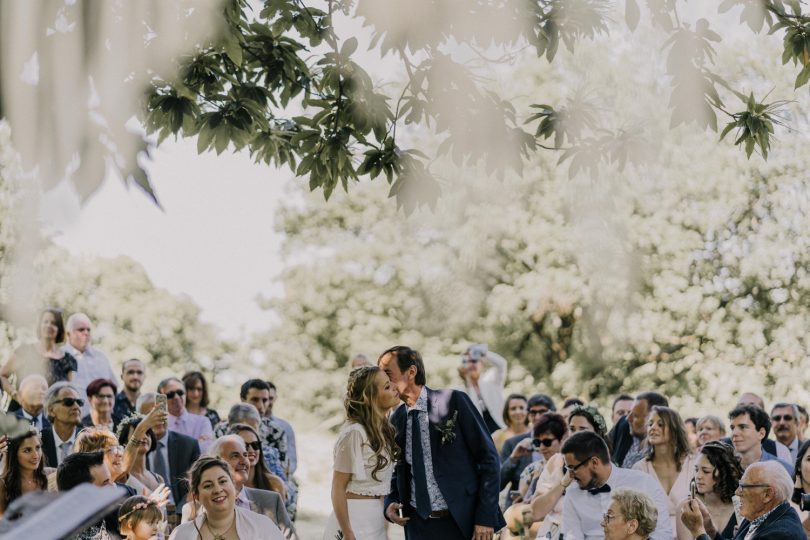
490,386
92,364
582,512
58,443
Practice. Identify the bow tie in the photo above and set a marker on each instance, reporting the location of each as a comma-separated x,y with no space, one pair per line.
597,491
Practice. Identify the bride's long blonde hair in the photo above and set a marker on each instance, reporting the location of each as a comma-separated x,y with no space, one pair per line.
362,408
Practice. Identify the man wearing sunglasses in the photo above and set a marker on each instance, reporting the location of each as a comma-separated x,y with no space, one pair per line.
764,491
593,477
64,407
785,420
181,421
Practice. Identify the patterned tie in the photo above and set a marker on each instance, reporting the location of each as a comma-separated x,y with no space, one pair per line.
418,468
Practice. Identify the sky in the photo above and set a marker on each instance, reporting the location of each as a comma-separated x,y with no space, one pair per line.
213,240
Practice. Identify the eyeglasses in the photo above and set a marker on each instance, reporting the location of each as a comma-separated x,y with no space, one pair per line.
785,417
747,486
544,442
535,412
116,450
470,361
170,395
567,469
255,445
70,402
607,517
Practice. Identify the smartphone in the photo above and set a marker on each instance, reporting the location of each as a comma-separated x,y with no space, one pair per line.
692,489
401,512
160,401
514,494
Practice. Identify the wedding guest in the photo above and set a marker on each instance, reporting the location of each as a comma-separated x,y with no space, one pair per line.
25,471
44,358
587,462
360,360
484,385
142,443
212,487
197,397
785,420
717,475
691,432
64,408
133,372
180,421
292,452
258,393
631,516
710,428
750,425
764,492
669,459
91,363
515,458
629,435
140,518
515,418
259,476
621,407
101,393
31,396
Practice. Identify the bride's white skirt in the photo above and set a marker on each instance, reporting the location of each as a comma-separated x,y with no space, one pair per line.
366,517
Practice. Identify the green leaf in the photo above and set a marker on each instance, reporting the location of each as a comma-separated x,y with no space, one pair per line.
803,77
728,128
349,46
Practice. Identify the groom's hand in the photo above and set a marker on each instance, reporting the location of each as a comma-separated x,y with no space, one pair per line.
483,533
393,516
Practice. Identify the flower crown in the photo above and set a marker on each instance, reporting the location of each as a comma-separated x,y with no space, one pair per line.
140,506
128,421
597,417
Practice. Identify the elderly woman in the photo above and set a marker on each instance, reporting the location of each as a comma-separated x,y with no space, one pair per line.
44,358
197,396
515,416
669,458
709,428
631,516
212,487
101,393
717,475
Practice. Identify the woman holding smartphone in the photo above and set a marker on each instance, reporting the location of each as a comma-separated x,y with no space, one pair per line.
365,453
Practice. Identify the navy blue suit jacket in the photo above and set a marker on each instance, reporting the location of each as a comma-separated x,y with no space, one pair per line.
782,524
466,468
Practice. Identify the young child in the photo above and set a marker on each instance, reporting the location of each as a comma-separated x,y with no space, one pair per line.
140,518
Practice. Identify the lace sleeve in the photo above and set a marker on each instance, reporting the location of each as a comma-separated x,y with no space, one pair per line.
349,454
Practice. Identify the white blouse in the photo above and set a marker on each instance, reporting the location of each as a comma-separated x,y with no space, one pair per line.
354,455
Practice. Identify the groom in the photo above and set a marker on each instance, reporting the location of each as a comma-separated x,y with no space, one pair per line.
445,484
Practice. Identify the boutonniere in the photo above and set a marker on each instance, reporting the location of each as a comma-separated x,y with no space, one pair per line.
446,429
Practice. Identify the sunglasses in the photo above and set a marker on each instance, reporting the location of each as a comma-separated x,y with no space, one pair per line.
534,412
780,417
255,445
470,361
542,442
567,469
70,402
115,450
170,395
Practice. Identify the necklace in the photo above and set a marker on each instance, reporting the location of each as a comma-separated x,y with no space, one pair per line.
221,535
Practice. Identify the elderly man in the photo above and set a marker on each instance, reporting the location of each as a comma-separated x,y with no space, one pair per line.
32,401
180,420
785,419
92,363
765,490
173,456
232,449
64,408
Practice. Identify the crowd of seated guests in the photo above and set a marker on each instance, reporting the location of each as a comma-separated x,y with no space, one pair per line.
159,448
650,478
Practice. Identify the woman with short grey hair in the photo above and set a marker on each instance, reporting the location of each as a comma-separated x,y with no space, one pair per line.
631,516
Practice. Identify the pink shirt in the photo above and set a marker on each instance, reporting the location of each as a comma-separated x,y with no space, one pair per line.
196,426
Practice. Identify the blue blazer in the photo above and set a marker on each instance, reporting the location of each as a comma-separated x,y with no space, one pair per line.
466,468
782,524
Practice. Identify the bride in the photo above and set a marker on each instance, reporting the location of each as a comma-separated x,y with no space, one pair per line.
365,453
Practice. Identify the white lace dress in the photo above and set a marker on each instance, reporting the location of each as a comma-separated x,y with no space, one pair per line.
354,455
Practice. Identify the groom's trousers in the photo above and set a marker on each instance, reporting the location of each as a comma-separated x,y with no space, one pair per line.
443,528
